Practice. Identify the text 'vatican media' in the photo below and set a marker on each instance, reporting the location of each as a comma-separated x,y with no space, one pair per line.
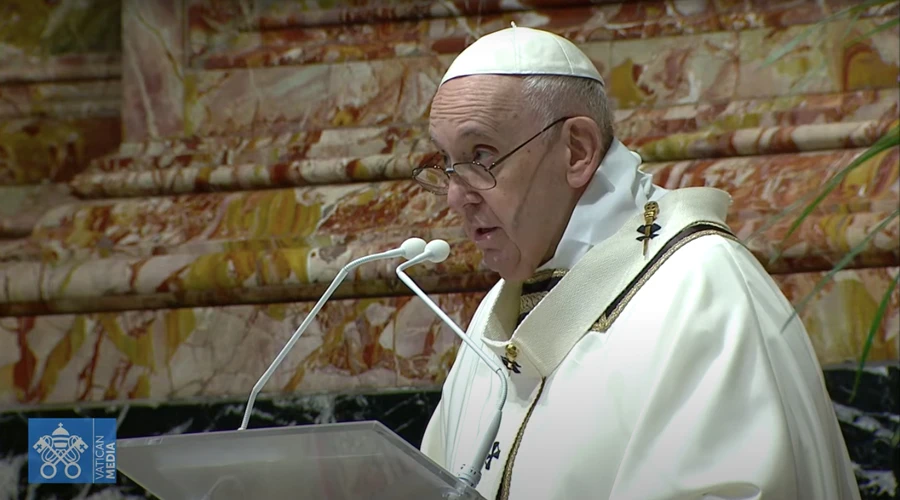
72,450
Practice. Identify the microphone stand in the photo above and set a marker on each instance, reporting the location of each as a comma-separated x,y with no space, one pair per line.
438,251
409,249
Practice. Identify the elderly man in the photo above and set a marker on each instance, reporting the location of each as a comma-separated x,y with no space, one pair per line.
644,344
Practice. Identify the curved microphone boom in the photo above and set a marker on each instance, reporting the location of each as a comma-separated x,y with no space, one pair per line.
438,251
409,249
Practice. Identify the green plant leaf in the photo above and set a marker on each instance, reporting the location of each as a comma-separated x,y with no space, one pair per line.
889,140
873,330
846,259
878,29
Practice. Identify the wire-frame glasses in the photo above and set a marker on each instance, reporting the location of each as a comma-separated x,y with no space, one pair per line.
434,174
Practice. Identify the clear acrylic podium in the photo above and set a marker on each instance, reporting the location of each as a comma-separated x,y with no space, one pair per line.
360,460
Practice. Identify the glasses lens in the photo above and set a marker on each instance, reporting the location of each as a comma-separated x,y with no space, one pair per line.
475,175
432,179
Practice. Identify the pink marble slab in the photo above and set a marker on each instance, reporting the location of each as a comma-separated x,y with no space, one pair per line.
60,99
44,41
192,173
37,150
765,185
760,185
372,344
22,249
37,68
369,344
153,75
202,179
768,112
275,100
743,125
839,316
291,33
654,72
825,61
291,268
761,140
22,206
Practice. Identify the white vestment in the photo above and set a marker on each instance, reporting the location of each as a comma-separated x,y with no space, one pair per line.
657,376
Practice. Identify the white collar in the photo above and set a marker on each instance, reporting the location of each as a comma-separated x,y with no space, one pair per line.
616,192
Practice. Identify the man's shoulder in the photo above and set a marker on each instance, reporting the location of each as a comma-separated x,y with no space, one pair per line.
713,257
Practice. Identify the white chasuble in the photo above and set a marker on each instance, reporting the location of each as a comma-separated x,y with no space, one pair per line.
657,373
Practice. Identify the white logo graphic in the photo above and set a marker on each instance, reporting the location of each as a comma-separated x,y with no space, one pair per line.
60,447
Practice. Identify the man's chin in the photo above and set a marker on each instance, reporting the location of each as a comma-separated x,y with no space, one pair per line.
505,269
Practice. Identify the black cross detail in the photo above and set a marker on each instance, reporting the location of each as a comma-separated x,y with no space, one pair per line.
643,230
511,365
495,453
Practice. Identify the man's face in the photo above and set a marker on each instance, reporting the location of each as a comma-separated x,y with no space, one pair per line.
518,223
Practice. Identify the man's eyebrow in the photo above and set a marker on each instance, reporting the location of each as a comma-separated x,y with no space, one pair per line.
469,132
466,133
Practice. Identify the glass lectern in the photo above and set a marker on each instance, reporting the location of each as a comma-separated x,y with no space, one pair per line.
360,460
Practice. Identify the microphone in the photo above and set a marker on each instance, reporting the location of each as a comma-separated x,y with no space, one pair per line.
437,251
409,249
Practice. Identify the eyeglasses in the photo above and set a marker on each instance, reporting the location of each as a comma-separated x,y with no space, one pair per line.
434,174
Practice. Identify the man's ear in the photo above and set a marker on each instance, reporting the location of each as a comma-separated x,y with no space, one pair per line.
584,147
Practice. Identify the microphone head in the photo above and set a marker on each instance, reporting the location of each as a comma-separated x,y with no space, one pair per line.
412,247
437,250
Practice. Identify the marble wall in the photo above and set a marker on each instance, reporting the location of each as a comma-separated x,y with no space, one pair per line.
181,179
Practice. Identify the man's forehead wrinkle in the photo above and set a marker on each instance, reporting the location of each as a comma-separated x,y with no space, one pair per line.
472,109
491,97
470,119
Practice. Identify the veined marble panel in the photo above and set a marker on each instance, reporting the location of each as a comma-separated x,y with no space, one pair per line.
19,250
22,206
289,268
201,179
761,140
60,100
153,75
229,35
171,354
198,173
36,150
68,39
825,61
775,116
760,185
766,113
654,72
293,44
274,100
765,185
367,344
839,316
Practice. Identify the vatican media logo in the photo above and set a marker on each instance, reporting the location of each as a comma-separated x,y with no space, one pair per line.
72,450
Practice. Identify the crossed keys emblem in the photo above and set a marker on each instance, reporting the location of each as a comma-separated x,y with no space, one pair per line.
60,448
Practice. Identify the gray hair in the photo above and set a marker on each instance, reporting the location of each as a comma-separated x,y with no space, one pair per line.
553,97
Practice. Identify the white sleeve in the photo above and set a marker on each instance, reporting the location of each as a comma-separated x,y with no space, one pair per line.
734,410
433,439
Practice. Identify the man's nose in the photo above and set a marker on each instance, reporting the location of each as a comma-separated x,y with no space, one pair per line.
459,194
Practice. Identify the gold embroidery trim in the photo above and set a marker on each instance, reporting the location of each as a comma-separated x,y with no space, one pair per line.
546,274
529,301
603,322
503,494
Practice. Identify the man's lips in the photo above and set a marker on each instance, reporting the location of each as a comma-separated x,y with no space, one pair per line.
484,233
